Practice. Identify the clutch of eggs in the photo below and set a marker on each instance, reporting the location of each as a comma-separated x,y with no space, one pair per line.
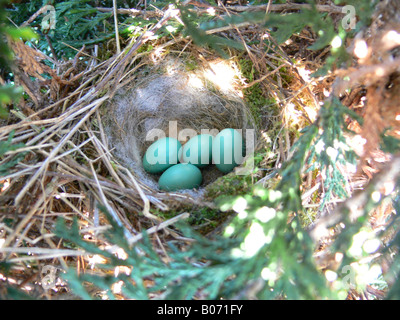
224,150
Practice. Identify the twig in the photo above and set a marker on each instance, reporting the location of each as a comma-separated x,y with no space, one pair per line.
110,210
146,208
24,238
35,15
266,76
306,195
103,153
50,187
116,26
131,12
285,7
80,51
36,250
44,257
51,48
160,226
229,27
106,184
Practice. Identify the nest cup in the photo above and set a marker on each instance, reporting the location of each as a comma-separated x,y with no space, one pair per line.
177,102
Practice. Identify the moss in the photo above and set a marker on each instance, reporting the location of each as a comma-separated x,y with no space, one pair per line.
256,101
308,216
205,220
254,95
230,184
191,64
165,215
147,47
286,76
234,184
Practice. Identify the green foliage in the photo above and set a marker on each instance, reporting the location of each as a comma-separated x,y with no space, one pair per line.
354,251
78,23
5,52
283,26
364,10
330,149
319,22
200,37
11,293
6,146
8,92
281,251
181,278
283,259
324,149
389,143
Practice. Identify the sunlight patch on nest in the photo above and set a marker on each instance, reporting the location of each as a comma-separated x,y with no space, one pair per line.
224,75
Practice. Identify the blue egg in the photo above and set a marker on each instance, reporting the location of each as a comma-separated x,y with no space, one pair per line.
227,150
161,155
179,177
198,150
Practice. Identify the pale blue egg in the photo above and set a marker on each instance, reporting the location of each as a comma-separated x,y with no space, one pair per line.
161,155
179,177
227,150
198,150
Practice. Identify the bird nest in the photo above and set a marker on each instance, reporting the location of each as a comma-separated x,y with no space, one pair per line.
90,142
171,101
81,144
